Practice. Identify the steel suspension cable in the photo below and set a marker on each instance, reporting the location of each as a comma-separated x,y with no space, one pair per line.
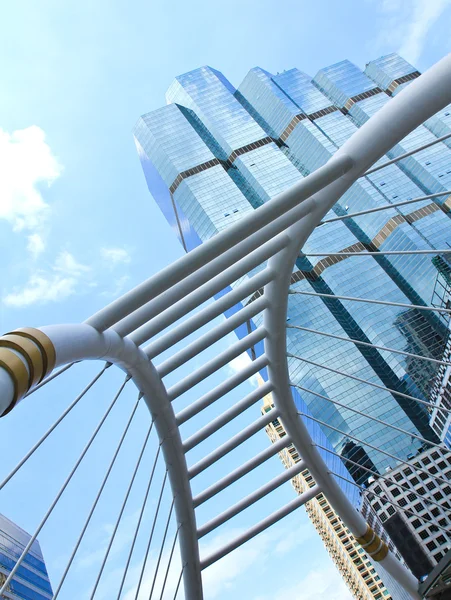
353,437
407,154
368,301
375,419
385,499
55,424
59,494
178,583
94,505
377,347
151,536
386,207
138,524
379,253
51,377
121,512
169,562
379,476
376,385
161,549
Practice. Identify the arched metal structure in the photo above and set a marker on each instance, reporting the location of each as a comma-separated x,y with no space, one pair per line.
268,241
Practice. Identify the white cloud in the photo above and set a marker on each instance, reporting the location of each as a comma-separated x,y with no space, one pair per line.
222,575
115,256
225,578
61,281
239,363
26,161
35,244
119,286
408,23
66,264
41,288
425,13
279,540
323,583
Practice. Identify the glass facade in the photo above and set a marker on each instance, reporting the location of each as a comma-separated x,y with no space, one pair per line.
214,153
31,581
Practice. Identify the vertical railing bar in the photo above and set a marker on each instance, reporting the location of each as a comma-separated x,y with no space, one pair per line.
55,424
151,536
169,562
379,476
121,512
58,496
91,512
370,417
178,583
385,499
353,437
355,378
161,550
139,523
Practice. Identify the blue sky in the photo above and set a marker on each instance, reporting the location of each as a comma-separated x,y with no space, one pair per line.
78,226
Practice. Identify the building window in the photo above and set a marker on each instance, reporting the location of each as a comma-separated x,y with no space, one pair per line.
431,545
391,510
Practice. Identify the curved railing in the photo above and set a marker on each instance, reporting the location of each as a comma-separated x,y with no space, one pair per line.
147,333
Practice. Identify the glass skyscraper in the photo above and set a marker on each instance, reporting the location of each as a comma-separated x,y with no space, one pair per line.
31,581
215,153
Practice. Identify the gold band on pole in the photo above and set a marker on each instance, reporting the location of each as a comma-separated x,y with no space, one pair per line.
373,545
30,351
18,372
367,537
380,554
28,355
45,345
